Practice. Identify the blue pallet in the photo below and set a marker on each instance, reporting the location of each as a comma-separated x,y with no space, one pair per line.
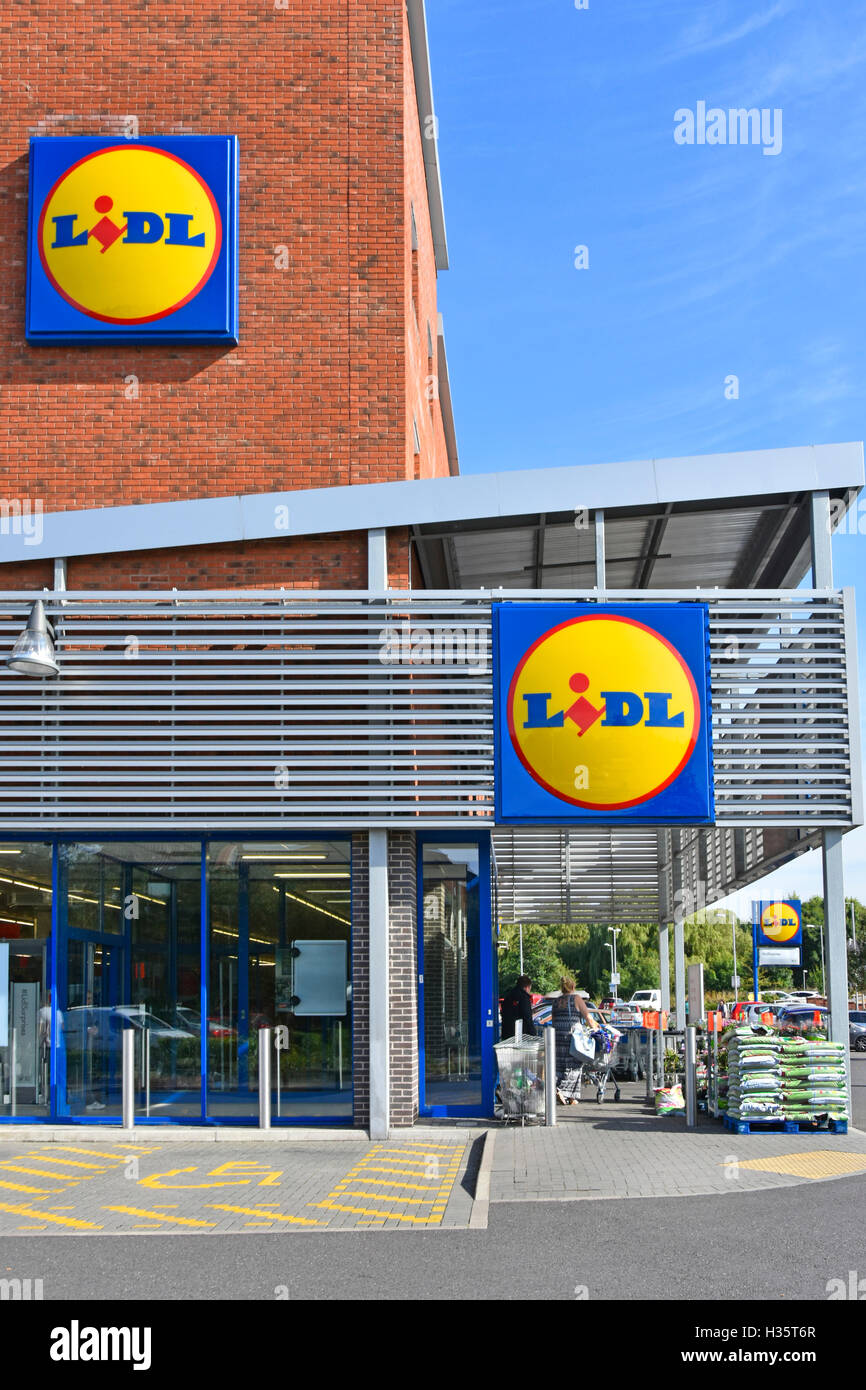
759,1125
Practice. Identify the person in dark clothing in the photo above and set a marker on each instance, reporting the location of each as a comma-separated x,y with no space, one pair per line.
517,1005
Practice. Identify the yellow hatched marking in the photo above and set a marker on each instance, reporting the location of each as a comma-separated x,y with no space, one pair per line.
375,1168
42,1191
389,1182
44,1173
819,1163
276,1216
88,1153
160,1216
380,1215
428,1148
46,1216
384,1197
73,1163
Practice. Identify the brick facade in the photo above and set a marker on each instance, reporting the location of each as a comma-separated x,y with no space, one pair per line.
330,380
403,975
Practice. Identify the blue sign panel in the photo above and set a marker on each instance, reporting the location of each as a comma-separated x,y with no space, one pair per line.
133,241
602,713
777,922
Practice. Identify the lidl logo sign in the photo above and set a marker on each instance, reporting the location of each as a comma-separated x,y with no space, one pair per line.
132,240
778,923
602,713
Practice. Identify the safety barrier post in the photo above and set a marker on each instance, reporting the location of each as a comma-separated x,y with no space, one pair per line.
648,1072
549,1076
691,1078
264,1078
128,1069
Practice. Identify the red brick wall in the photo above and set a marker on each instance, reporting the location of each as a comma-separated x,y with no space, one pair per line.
422,398
316,393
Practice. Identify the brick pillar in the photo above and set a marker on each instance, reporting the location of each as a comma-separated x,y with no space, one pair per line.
403,976
361,980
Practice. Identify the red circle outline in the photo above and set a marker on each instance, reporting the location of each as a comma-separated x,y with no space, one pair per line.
604,805
148,318
780,902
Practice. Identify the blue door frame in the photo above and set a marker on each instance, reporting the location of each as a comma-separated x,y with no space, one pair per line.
57,948
486,998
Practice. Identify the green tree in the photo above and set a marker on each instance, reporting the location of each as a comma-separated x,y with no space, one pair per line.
541,960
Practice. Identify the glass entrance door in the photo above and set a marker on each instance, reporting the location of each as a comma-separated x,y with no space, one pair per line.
92,1025
456,990
279,957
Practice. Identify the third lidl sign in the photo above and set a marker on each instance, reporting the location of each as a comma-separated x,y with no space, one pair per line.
602,713
132,240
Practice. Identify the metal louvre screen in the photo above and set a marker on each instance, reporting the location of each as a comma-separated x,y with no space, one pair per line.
591,874
780,705
250,711
278,710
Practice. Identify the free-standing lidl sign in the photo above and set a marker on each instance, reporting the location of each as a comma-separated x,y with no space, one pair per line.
778,923
133,240
602,713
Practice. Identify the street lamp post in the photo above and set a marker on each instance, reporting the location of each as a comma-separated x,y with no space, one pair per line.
614,980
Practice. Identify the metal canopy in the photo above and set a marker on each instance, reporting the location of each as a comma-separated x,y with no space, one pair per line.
740,543
736,519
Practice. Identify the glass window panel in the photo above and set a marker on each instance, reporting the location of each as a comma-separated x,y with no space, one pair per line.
452,1033
133,914
25,931
263,896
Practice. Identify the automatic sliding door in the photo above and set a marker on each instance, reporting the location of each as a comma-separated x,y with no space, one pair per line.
279,950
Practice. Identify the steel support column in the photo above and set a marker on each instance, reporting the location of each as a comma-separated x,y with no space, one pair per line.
835,938
380,1032
665,967
680,971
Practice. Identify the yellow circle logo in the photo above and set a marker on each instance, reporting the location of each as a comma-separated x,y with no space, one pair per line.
129,234
603,712
780,922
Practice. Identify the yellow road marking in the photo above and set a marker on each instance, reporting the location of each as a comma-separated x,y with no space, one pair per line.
43,1173
46,1216
160,1216
88,1153
375,1168
383,1197
380,1215
20,1187
427,1148
73,1163
277,1216
388,1182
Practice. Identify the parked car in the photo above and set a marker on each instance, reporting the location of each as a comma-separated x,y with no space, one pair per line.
647,1000
740,1009
802,1016
191,1019
857,1029
103,1026
756,1014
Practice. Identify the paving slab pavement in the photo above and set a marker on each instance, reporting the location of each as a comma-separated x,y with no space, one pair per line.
625,1150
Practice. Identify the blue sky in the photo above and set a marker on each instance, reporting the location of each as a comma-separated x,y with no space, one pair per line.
707,260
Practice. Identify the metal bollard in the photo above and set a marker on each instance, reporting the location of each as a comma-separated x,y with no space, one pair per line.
549,1076
691,1078
264,1078
518,1030
13,1078
128,1063
648,1073
660,1052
